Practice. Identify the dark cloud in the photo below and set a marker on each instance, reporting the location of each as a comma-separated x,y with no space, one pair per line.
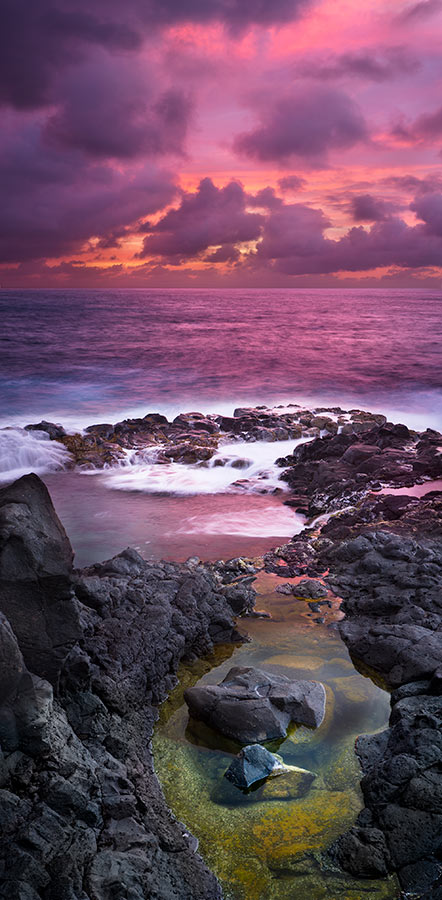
421,10
382,65
410,183
209,217
109,109
226,253
291,183
41,38
294,230
426,127
294,243
264,199
429,208
367,208
53,203
307,124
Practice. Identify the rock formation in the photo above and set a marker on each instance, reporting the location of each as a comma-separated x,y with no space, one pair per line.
85,657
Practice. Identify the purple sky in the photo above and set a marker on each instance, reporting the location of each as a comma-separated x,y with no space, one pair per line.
221,142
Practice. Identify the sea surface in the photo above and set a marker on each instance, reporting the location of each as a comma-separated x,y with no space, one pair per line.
79,356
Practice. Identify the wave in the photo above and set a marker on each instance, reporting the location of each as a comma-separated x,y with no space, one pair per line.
239,467
22,452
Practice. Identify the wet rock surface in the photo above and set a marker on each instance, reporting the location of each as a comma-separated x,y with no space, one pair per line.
85,658
252,705
252,764
194,437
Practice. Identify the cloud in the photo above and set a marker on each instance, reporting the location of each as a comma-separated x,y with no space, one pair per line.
426,128
306,123
42,38
429,208
413,184
422,10
109,108
208,217
53,203
294,243
366,208
380,65
291,183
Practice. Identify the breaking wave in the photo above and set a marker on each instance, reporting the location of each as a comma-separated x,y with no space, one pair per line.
22,452
237,467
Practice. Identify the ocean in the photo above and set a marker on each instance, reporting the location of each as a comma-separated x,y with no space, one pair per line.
78,356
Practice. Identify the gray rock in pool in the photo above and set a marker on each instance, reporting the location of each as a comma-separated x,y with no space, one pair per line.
252,706
252,764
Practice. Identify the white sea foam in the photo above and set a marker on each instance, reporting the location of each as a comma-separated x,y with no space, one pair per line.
22,452
268,521
237,467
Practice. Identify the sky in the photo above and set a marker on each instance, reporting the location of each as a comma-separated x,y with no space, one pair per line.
227,143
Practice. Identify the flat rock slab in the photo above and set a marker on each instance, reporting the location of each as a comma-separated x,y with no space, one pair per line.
250,705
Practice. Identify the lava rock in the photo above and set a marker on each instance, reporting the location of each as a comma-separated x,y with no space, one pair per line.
310,590
252,764
35,577
252,705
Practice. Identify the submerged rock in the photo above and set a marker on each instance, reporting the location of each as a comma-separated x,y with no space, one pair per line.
254,764
292,784
252,705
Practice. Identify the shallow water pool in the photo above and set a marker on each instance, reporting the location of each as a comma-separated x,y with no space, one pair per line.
263,847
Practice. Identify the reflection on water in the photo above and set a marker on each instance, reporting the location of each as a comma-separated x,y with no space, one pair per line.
260,846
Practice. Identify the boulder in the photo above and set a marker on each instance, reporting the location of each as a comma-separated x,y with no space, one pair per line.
35,577
252,764
309,589
252,705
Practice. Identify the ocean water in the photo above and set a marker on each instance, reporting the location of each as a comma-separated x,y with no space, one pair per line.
79,356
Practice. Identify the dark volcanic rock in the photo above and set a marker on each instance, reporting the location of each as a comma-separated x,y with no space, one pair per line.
35,577
251,705
81,812
392,600
252,764
54,431
310,589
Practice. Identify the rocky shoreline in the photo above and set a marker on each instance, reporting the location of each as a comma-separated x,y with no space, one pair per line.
87,656
85,659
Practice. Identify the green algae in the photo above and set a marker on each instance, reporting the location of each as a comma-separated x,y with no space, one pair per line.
274,848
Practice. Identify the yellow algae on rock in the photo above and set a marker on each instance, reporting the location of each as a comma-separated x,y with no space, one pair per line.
343,770
289,830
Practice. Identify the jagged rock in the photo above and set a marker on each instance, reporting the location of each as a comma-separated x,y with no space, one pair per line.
81,811
252,764
35,577
54,431
309,589
252,705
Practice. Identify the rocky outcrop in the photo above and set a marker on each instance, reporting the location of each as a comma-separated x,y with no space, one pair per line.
35,577
391,586
82,815
194,437
252,706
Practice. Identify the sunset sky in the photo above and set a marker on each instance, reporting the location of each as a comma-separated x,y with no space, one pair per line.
221,142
